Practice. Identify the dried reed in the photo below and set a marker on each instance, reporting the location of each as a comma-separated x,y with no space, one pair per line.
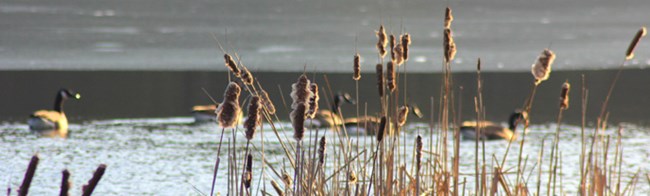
629,54
380,79
406,42
542,67
254,117
313,101
228,111
277,188
449,46
232,65
381,41
357,67
390,76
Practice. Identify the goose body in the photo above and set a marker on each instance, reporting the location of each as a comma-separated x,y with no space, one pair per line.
52,122
204,113
491,130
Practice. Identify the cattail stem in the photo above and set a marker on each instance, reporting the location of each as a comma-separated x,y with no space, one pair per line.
92,183
65,183
29,175
216,165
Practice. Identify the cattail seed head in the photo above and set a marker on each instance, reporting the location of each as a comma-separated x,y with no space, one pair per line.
228,111
268,104
322,150
286,178
380,79
231,64
357,67
399,54
542,68
313,101
403,115
248,174
449,46
298,122
392,45
246,76
382,41
353,177
418,150
277,188
564,96
254,117
382,129
300,93
406,42
629,54
390,76
448,18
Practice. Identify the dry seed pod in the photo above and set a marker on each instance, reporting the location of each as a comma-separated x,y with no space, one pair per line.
382,41
399,54
390,76
418,150
380,79
357,67
231,64
564,96
403,115
246,76
254,117
313,101
268,104
629,54
449,46
277,188
322,150
382,129
448,18
228,111
392,45
406,42
542,68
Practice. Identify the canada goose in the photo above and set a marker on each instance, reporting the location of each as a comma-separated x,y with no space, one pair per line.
204,113
53,122
493,131
327,118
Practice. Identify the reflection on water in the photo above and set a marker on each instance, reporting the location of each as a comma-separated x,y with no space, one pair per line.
170,155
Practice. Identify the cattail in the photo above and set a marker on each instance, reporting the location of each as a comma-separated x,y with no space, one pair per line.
298,122
353,177
380,79
542,68
313,101
254,117
277,188
248,175
399,54
392,45
390,76
629,54
246,76
564,96
286,178
228,111
449,46
406,42
357,67
321,150
65,183
448,18
382,129
418,150
268,104
231,64
382,41
403,115
300,93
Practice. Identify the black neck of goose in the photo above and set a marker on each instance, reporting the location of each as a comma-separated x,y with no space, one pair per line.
514,120
58,103
337,104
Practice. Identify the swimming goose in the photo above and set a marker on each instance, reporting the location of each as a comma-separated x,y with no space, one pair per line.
204,113
493,131
53,122
328,118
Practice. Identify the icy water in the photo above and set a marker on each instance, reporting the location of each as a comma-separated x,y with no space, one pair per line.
170,156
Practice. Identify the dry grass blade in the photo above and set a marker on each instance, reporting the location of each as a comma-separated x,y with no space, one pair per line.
542,67
629,54
277,188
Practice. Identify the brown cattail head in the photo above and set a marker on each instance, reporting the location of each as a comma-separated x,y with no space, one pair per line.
564,96
254,117
246,76
231,64
392,45
382,129
399,54
298,122
382,41
406,42
277,188
286,178
248,174
390,76
448,18
542,68
418,150
321,150
352,177
228,111
380,79
313,101
403,115
357,67
629,54
300,93
449,46
268,104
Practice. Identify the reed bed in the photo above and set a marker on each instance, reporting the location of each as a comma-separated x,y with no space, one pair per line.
385,165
